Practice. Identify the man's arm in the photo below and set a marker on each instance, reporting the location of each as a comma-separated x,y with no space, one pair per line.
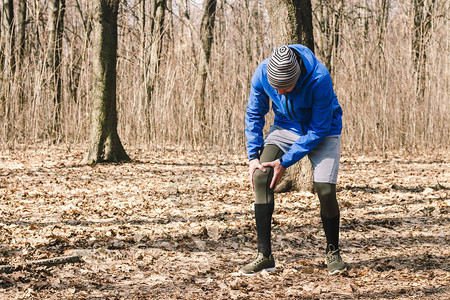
257,107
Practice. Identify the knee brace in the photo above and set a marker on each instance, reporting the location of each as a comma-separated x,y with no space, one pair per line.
261,181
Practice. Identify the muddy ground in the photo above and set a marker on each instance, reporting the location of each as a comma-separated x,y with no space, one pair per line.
176,225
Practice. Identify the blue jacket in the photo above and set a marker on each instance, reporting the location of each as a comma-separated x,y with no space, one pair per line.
311,110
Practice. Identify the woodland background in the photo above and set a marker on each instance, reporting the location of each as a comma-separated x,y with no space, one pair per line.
389,62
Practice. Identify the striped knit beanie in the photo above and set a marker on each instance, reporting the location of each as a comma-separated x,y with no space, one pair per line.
283,68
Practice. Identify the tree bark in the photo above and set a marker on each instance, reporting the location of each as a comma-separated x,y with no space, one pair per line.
56,10
105,144
20,49
21,27
291,22
157,32
329,15
170,27
207,37
423,12
383,21
9,62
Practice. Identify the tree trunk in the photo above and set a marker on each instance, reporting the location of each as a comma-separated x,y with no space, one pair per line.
170,28
157,32
20,51
21,26
291,22
9,60
105,144
206,36
329,15
55,29
423,12
383,22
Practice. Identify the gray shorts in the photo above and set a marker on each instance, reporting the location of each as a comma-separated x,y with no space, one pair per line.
324,158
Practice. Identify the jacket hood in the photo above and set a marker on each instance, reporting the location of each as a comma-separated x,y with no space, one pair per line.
308,61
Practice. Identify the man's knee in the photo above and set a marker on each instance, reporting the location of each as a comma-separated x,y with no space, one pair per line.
325,190
260,179
329,207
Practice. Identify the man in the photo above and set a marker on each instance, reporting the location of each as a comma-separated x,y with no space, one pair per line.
307,122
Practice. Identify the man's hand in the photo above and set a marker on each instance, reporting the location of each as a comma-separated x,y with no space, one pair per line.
278,172
253,165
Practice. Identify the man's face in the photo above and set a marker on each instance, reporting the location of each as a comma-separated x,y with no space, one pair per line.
285,90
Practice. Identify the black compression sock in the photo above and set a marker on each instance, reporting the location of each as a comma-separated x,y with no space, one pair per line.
263,216
331,228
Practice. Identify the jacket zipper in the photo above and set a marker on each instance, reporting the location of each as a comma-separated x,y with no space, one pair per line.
293,112
292,106
287,107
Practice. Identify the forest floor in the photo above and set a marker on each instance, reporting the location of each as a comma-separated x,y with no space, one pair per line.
175,225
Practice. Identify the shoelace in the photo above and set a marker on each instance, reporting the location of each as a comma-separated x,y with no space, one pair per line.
258,260
333,255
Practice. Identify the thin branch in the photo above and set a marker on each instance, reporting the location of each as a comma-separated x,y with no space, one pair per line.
41,262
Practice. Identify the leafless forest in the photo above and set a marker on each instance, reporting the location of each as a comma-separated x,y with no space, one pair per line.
390,67
176,222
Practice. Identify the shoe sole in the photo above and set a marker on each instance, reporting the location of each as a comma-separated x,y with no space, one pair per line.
253,274
338,272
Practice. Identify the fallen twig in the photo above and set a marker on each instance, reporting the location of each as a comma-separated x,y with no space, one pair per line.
41,262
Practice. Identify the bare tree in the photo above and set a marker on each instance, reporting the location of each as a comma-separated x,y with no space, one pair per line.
206,36
21,27
55,29
291,22
170,27
157,33
10,31
423,12
143,29
329,16
105,144
7,62
383,22
21,21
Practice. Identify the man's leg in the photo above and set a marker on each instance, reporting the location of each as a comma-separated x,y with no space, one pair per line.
264,206
329,212
325,160
264,200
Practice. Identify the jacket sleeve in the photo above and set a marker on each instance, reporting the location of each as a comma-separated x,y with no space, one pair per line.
319,127
257,107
